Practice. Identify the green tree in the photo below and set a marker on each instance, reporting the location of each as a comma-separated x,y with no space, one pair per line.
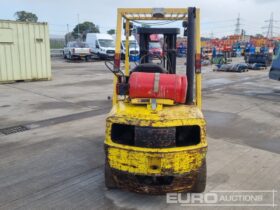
81,30
111,31
26,16
69,37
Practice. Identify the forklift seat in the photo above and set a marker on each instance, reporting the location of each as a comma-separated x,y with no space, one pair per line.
149,68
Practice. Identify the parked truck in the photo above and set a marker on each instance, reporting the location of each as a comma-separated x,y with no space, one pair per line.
102,45
264,59
76,50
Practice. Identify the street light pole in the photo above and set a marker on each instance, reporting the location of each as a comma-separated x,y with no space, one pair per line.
78,26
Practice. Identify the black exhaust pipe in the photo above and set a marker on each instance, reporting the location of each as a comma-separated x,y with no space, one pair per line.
190,55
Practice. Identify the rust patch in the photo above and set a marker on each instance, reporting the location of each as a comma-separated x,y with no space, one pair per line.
155,185
166,181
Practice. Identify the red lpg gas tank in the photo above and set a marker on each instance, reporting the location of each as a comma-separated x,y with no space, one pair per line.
156,85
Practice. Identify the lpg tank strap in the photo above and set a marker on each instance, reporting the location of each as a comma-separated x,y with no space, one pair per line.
156,82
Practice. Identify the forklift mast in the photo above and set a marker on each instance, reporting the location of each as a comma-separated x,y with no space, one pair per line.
191,17
169,46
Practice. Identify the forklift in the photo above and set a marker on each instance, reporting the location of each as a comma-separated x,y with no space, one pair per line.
155,140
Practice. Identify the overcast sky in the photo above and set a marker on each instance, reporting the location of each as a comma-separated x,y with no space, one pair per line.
218,16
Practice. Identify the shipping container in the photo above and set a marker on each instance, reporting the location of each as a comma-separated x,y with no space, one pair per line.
24,51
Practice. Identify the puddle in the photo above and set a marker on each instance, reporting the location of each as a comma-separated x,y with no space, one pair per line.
218,119
219,81
231,127
257,92
3,106
260,93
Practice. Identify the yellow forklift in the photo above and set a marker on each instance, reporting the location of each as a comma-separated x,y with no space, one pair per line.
155,133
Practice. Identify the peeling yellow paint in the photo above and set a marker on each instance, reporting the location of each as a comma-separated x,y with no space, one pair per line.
156,161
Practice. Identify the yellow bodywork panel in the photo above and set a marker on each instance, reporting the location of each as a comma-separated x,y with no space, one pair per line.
147,13
167,116
155,161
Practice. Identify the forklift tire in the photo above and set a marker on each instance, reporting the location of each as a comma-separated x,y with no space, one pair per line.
109,181
200,183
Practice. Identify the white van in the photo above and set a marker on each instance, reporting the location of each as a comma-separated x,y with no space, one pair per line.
101,45
134,50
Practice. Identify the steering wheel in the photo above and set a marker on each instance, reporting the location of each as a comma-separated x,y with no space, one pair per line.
153,56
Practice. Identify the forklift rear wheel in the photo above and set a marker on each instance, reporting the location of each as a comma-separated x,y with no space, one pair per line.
109,180
200,183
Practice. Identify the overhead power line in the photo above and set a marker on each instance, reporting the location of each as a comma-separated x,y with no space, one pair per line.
270,27
237,25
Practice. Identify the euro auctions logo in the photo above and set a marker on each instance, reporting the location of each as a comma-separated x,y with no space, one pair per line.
224,198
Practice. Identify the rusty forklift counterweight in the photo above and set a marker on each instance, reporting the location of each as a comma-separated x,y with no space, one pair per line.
155,138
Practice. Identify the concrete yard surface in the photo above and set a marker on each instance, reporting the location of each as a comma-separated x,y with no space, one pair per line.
57,163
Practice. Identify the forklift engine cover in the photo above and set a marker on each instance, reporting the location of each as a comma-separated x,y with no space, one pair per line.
158,85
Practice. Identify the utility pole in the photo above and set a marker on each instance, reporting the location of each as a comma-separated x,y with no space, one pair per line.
212,35
270,27
243,33
78,16
237,25
67,35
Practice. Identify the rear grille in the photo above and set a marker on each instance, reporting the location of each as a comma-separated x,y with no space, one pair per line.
134,52
12,130
110,51
155,137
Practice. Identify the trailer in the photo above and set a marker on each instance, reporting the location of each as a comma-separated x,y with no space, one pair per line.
260,58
